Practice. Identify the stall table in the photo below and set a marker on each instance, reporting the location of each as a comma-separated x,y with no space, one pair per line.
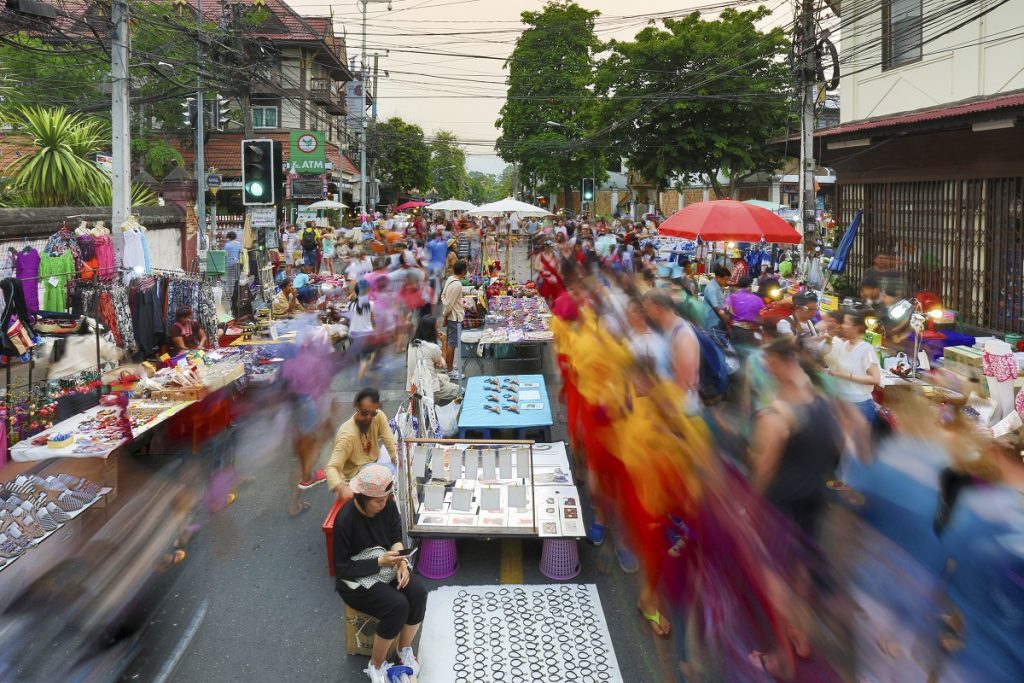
521,323
534,407
462,488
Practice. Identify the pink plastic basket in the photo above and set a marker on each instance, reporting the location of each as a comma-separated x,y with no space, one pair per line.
438,558
559,560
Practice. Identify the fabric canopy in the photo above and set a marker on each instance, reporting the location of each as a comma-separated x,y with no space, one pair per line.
410,205
451,205
326,204
770,206
838,262
509,205
727,220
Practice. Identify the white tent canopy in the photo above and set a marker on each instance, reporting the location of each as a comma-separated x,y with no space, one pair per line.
326,204
509,205
451,205
770,206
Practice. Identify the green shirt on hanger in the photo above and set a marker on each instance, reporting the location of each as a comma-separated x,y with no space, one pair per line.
55,271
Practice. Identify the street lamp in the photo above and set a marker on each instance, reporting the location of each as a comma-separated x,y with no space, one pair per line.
362,109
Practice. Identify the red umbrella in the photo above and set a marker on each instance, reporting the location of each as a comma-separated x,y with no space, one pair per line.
411,205
727,220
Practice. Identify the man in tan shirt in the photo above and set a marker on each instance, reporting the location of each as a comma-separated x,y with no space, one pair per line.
358,441
452,312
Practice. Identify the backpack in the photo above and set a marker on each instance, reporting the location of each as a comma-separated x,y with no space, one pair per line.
714,368
309,239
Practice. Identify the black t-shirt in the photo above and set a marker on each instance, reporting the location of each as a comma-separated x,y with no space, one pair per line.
354,532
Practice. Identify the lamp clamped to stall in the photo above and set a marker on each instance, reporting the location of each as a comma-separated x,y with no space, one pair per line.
912,311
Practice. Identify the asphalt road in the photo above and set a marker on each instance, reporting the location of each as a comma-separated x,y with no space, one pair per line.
253,600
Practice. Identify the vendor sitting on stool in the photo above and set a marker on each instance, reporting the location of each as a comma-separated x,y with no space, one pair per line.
371,576
304,289
186,333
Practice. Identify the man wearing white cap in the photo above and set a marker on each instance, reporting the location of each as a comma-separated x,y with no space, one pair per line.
370,573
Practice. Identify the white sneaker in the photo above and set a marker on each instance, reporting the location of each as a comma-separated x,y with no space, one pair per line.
378,675
408,658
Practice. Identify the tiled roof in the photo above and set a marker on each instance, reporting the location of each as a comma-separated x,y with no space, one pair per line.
285,24
948,111
224,152
348,167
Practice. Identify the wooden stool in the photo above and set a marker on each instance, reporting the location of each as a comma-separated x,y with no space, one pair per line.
359,632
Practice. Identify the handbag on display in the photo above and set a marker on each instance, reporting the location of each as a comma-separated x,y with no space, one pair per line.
48,322
18,335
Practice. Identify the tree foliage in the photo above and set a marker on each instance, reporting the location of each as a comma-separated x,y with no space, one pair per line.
483,188
551,79
697,98
447,166
60,171
402,155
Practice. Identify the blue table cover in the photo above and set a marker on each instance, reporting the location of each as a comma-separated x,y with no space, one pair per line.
475,416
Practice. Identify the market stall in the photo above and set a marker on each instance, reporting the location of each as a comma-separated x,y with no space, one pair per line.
515,323
490,488
515,403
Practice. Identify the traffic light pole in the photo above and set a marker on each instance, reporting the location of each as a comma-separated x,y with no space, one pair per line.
204,236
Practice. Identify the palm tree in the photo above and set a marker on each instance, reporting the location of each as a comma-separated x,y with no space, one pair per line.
59,172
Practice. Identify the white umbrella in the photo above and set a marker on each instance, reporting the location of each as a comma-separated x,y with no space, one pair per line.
326,204
770,206
509,205
451,205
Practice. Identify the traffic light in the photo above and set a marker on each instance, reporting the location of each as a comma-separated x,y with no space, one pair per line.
542,201
32,8
259,172
221,113
588,189
188,112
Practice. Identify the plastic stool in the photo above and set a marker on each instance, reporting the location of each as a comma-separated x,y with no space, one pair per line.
559,560
438,558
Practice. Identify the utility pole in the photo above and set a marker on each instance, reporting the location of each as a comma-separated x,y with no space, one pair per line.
121,146
204,235
362,124
362,110
373,166
808,68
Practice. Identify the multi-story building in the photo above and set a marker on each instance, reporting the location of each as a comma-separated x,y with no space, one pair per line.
930,146
298,87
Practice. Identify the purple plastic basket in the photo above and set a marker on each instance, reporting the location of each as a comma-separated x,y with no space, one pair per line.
438,558
559,560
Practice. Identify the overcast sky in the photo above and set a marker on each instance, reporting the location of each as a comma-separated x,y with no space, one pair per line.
460,93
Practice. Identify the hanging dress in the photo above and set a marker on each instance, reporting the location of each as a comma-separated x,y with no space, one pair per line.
105,255
55,271
27,270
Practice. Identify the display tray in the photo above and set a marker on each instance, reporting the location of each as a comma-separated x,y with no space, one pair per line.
529,398
4,564
490,489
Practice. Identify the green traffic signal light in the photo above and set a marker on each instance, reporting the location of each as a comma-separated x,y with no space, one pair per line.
255,189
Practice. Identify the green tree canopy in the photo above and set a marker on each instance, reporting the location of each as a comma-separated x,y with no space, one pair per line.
697,98
550,79
483,188
403,158
447,166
